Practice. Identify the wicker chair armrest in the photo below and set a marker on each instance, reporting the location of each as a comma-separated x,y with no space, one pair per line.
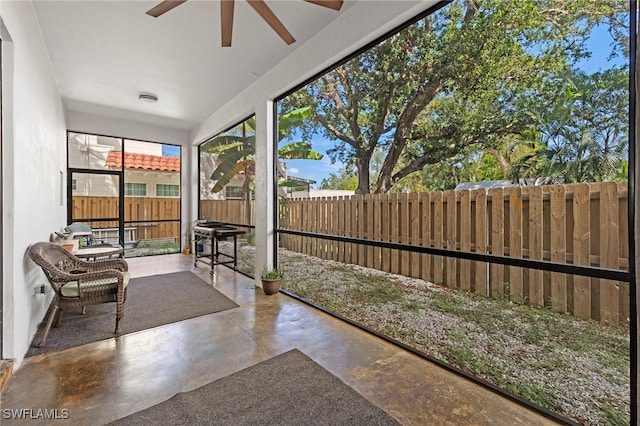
101,265
63,277
99,275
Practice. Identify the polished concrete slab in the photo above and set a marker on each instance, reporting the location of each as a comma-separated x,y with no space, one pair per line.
103,381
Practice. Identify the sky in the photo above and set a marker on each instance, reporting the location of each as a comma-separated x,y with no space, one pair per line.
599,44
170,151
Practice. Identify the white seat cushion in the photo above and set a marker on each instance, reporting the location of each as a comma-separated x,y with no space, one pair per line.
70,289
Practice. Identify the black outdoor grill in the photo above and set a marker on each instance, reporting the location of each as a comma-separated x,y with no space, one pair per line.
206,236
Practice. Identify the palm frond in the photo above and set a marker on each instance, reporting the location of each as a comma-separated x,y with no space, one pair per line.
238,167
298,151
227,165
294,118
223,143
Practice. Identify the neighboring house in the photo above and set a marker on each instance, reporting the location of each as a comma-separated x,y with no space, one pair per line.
148,175
318,193
489,184
232,191
295,187
147,172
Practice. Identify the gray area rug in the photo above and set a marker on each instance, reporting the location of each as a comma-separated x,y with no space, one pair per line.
151,301
288,389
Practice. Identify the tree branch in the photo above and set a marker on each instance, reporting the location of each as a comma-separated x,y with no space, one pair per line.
421,99
335,132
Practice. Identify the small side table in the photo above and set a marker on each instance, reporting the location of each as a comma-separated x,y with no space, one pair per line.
99,252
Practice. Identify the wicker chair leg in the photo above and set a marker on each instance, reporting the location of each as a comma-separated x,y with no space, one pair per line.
118,328
58,317
120,311
52,315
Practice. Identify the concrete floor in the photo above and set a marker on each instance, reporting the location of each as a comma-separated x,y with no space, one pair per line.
103,381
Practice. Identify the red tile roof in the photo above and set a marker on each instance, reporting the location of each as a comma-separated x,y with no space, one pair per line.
143,161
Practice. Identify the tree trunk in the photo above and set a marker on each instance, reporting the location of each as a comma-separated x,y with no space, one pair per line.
504,165
362,164
424,95
246,198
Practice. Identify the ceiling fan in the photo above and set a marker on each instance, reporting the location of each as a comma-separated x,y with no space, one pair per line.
226,15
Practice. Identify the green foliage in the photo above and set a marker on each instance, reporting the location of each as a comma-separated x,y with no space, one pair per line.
382,294
345,181
413,305
472,77
271,274
614,415
584,137
236,149
444,302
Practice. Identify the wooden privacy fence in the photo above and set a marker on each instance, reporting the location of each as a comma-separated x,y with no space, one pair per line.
581,224
230,211
148,209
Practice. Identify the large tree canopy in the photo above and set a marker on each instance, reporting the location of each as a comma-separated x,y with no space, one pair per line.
464,79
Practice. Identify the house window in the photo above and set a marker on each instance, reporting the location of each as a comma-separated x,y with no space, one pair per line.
233,192
135,189
164,190
74,184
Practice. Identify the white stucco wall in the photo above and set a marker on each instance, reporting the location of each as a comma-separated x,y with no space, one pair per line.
88,123
34,151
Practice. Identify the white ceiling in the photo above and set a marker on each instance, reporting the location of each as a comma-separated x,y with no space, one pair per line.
104,53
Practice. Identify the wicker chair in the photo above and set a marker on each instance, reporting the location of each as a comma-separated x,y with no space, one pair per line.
78,283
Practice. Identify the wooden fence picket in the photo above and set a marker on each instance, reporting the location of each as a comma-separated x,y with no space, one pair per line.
609,249
403,232
414,226
496,271
581,250
438,214
558,238
536,247
451,236
377,226
516,282
348,221
425,235
317,242
394,230
465,239
481,269
385,255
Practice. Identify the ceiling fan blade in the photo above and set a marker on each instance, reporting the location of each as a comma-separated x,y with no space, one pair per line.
270,18
331,4
226,21
164,7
